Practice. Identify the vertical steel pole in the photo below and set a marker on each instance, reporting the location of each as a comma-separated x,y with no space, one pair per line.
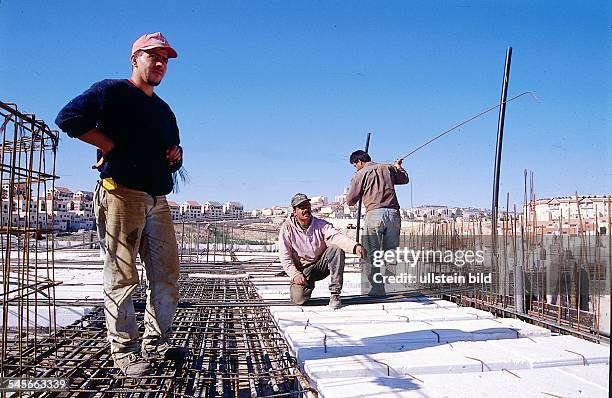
367,147
498,149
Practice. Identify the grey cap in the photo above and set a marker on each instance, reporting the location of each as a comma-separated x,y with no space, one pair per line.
298,199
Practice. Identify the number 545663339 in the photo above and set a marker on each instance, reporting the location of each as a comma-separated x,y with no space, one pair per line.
34,384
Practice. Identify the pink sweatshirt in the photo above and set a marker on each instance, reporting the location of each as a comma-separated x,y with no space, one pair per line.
299,248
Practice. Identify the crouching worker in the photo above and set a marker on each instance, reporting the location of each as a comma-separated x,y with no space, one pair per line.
310,250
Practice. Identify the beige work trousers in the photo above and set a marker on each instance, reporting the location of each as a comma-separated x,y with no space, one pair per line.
132,222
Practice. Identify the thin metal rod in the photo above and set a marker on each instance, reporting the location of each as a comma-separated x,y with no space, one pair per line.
498,148
367,148
455,127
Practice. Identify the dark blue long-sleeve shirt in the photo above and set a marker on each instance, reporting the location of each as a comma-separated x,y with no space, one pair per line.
141,127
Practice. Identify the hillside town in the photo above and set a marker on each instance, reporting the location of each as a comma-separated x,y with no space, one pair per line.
66,211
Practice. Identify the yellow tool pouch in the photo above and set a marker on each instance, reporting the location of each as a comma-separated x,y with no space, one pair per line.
109,184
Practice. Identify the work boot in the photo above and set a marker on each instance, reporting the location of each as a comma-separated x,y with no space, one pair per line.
335,302
165,351
132,365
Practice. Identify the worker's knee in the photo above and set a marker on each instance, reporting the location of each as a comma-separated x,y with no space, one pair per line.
299,300
335,252
299,294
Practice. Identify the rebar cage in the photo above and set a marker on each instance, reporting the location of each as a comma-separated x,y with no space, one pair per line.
27,159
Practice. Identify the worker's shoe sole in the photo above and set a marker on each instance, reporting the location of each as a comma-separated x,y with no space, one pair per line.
133,365
334,302
166,352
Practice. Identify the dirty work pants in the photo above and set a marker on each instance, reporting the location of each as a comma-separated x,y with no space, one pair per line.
381,232
331,263
132,222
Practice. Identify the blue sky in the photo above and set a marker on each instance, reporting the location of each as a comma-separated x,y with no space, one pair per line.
272,96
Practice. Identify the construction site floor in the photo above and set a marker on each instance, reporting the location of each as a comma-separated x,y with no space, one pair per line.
428,347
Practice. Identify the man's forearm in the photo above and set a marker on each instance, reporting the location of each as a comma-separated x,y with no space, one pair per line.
290,269
98,139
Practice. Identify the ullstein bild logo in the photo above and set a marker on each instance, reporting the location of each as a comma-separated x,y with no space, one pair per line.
434,278
412,257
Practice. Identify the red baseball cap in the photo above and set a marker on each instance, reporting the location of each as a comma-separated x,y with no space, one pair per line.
153,40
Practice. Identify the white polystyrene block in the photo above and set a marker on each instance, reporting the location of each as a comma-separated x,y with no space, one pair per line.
498,384
525,329
433,359
309,341
441,314
415,359
596,375
369,387
556,351
556,382
369,316
320,321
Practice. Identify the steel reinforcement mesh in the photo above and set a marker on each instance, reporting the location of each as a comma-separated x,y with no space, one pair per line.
235,350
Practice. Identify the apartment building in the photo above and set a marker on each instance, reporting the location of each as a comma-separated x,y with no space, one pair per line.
568,215
233,210
64,210
60,193
209,210
212,210
175,210
85,195
191,209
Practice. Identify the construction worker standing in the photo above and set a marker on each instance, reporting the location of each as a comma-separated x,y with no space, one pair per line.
374,184
137,138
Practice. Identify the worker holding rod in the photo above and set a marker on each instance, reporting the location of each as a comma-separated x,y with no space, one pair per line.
374,183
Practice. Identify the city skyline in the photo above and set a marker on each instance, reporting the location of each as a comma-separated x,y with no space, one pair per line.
271,97
247,208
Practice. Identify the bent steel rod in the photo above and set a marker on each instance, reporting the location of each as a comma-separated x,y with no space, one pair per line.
498,148
455,127
367,147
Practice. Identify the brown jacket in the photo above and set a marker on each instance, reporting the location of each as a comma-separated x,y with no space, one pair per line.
374,183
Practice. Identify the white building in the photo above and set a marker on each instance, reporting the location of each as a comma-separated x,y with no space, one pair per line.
85,195
81,206
60,193
81,222
212,210
280,211
568,215
175,210
275,211
351,211
190,209
18,189
233,210
341,198
320,200
332,211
